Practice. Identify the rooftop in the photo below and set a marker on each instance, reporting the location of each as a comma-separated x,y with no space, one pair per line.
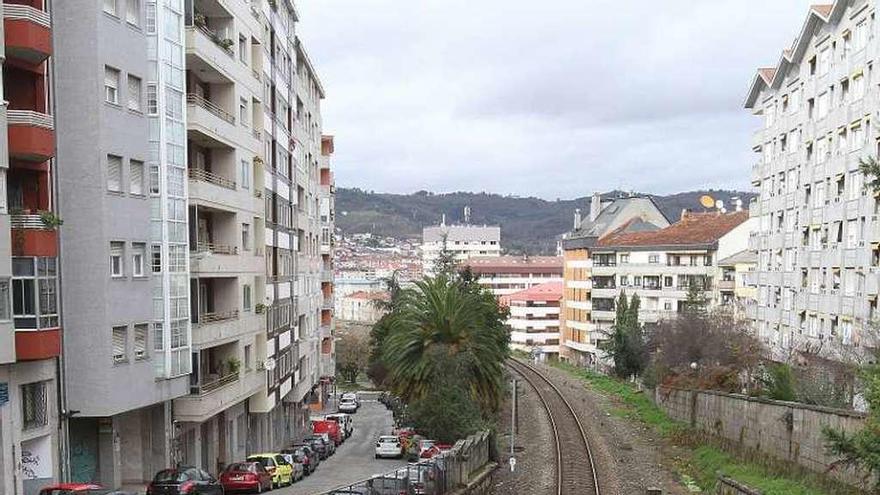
507,264
744,256
692,229
375,295
453,233
549,292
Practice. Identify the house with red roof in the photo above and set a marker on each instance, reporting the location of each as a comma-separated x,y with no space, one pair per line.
534,318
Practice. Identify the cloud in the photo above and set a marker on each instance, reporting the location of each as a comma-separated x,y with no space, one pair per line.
555,98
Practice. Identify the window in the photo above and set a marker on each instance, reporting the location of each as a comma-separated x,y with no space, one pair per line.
245,236
117,264
4,299
152,99
114,173
111,7
157,258
245,174
138,255
134,93
857,139
34,405
243,111
136,177
824,60
247,360
242,48
111,85
154,179
140,341
150,17
246,297
624,259
653,258
120,338
34,292
133,12
861,34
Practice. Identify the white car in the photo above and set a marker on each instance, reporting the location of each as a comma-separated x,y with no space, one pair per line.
347,406
352,396
389,446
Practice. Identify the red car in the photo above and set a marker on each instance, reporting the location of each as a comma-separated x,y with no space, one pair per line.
246,476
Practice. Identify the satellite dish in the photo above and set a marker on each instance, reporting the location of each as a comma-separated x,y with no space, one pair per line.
707,201
719,204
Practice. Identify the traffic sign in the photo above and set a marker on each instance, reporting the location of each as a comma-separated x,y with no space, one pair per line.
512,462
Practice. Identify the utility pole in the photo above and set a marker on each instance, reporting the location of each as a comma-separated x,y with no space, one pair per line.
512,459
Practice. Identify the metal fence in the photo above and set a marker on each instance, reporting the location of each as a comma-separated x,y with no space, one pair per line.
440,475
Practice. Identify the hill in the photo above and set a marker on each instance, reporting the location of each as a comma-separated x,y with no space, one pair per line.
528,225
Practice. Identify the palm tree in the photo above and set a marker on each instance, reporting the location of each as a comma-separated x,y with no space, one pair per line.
441,324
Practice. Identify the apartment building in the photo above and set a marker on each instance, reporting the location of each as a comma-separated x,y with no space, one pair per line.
30,324
361,306
190,184
577,336
818,231
504,275
736,286
463,241
534,318
661,265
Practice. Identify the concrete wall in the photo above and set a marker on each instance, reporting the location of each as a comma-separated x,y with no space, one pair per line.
783,430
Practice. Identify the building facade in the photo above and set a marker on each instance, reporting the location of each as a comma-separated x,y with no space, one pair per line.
30,323
578,339
534,318
463,241
504,275
818,231
736,287
361,306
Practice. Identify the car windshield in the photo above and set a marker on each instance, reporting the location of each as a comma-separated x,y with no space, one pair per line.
241,467
170,476
265,461
388,439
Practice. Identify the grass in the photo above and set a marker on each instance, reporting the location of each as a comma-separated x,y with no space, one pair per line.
701,464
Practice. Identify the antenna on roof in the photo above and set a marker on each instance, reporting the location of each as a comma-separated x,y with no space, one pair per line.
443,220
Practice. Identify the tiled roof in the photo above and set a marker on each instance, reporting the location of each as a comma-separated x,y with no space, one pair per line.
744,256
692,229
767,73
823,10
369,295
551,291
515,264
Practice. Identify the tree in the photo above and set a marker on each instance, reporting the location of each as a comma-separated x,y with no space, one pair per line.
352,355
870,168
626,343
446,315
779,382
445,264
696,303
862,448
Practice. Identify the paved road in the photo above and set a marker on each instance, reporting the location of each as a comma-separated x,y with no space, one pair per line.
355,459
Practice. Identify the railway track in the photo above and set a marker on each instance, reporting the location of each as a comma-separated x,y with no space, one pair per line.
575,467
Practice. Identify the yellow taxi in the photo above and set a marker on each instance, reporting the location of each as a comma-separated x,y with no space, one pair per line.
279,469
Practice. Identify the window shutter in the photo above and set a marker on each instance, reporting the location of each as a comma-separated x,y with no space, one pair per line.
114,173
119,344
137,177
140,341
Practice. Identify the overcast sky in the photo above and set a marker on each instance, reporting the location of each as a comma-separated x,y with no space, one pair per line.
551,98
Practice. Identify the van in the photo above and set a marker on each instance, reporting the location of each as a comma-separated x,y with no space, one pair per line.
329,427
344,421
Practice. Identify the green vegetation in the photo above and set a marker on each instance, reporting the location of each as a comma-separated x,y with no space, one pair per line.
528,225
701,463
626,342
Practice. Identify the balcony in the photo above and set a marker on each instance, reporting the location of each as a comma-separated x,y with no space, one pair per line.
28,33
726,285
31,135
32,345
197,174
209,318
208,124
33,236
210,55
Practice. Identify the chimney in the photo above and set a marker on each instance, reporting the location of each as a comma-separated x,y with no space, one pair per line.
684,213
577,218
443,220
595,207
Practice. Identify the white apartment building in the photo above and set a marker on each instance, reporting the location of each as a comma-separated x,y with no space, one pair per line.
505,275
463,241
361,306
661,265
818,233
534,318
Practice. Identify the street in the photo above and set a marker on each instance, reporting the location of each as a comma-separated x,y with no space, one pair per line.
354,460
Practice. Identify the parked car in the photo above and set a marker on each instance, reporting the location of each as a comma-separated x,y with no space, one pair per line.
313,457
277,466
393,483
428,449
318,446
352,396
184,481
329,427
388,446
345,422
327,441
305,456
246,476
353,490
80,489
348,406
298,467
422,477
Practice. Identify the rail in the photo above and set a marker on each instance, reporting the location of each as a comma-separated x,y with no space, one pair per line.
210,177
210,247
27,222
206,318
572,475
27,13
194,99
204,388
30,117
213,36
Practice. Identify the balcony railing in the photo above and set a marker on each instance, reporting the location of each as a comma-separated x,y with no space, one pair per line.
206,318
194,99
31,118
28,222
27,13
210,247
208,387
224,44
205,176
257,74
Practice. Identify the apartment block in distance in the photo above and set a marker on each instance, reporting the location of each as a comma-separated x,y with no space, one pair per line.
534,318
818,238
463,241
577,336
505,275
662,265
30,324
